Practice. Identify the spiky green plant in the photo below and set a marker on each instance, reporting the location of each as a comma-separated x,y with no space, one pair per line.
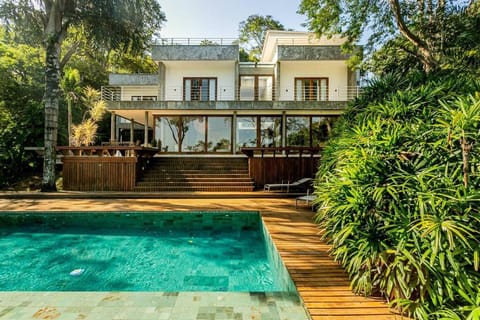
398,193
84,134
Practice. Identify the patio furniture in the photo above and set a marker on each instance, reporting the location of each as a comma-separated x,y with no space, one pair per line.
308,198
288,185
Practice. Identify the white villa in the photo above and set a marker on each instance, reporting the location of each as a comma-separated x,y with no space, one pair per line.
203,100
208,122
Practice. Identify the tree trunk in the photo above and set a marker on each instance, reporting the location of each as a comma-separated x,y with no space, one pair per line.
425,53
69,121
52,92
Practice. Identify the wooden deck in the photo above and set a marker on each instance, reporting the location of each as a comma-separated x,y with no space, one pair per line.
321,282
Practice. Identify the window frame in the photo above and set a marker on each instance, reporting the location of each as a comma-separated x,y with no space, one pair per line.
255,86
318,95
185,79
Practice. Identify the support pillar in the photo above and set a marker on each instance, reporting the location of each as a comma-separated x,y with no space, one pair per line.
145,133
234,132
132,128
113,127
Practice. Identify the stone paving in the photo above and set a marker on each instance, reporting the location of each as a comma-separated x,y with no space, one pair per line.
151,305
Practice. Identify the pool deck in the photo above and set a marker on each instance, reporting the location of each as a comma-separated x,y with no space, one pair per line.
321,282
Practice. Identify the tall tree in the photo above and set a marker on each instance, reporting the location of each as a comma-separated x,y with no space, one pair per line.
126,24
422,23
253,30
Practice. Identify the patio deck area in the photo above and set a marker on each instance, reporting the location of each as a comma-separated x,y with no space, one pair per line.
322,284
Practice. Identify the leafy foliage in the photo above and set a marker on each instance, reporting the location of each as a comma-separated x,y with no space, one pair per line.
398,194
20,108
252,34
421,29
122,25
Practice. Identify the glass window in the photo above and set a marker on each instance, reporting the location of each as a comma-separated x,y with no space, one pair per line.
265,88
298,131
246,132
193,130
321,129
247,88
200,89
271,131
256,88
219,134
311,89
167,133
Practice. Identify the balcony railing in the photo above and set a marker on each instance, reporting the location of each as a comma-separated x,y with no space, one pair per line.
226,93
196,41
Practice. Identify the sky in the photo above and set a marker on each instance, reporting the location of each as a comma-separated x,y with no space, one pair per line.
220,18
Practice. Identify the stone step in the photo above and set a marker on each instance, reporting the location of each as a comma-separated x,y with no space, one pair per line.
196,174
178,179
194,183
211,172
193,189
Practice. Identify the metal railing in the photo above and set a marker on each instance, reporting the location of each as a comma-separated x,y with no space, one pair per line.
196,41
308,41
243,93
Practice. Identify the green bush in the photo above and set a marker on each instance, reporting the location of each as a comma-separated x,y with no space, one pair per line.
398,192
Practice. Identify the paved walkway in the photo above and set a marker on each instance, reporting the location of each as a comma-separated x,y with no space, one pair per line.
322,284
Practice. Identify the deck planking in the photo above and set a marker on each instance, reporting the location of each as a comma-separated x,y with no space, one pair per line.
321,282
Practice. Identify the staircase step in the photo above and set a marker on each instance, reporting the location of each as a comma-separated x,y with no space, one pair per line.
194,189
199,183
194,174
193,180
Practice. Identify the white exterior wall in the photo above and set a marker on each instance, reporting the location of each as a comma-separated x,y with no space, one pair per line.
175,71
129,91
335,71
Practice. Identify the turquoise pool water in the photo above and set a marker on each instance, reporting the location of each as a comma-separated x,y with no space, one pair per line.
141,251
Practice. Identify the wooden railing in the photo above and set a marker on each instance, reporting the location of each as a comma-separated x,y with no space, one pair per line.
108,151
251,151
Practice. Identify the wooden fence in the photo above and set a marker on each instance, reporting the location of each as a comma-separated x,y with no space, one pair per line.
281,165
103,168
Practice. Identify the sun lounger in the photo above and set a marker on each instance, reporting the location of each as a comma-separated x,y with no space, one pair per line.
288,186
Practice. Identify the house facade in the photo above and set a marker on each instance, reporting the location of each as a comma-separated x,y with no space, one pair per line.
203,100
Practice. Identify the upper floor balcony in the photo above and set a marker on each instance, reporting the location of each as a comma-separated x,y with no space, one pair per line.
228,98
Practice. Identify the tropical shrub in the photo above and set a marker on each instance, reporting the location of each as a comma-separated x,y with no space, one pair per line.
85,133
398,192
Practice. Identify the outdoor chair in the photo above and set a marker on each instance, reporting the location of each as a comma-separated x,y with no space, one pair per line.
296,184
308,198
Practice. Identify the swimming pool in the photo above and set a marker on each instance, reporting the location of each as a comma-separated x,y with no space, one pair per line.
139,251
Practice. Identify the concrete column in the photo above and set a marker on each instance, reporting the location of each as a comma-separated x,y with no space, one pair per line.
145,137
113,125
161,81
132,127
234,132
284,129
236,90
276,74
351,83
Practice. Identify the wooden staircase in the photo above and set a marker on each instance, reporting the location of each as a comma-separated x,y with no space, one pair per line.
213,174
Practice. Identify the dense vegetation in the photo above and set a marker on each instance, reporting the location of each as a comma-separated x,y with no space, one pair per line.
399,193
21,93
398,188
